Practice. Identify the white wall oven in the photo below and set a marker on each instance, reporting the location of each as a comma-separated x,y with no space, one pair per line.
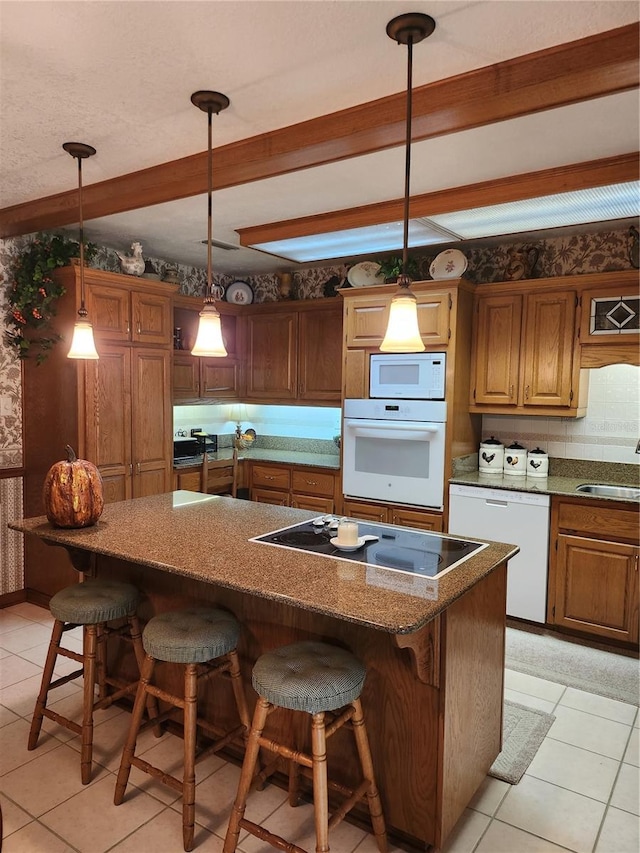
393,451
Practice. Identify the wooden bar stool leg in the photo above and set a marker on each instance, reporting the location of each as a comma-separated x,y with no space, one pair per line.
320,786
248,765
238,691
294,783
136,638
373,796
101,660
189,777
90,642
136,718
47,675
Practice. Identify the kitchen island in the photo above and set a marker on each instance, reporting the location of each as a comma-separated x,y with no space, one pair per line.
434,651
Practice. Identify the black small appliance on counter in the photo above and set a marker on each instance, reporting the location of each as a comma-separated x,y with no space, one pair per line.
188,451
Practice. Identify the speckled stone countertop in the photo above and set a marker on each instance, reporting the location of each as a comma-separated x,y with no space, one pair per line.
205,537
291,457
565,475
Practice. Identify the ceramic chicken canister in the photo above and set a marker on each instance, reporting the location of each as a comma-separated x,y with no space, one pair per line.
491,456
515,460
537,463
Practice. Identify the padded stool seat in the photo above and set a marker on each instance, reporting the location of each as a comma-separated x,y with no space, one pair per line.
93,604
318,679
192,635
203,640
94,601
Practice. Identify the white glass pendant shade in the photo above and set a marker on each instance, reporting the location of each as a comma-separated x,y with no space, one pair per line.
82,343
209,341
403,334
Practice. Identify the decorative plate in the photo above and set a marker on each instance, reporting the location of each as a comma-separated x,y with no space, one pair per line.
448,264
365,274
239,292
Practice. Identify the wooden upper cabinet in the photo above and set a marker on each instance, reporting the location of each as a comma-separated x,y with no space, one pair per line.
366,318
272,344
319,354
294,352
549,349
139,316
497,356
525,353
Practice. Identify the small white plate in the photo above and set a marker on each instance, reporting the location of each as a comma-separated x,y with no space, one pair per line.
365,274
336,544
239,292
448,264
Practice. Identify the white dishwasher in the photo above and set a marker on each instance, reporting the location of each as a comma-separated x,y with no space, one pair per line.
517,518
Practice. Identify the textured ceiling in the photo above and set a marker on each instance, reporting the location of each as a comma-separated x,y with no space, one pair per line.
119,76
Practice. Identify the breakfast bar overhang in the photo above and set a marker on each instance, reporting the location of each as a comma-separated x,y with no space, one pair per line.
434,652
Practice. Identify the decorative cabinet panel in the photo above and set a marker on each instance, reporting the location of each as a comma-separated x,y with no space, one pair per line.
593,580
610,324
526,356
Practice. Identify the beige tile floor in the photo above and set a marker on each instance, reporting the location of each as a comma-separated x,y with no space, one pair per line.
579,794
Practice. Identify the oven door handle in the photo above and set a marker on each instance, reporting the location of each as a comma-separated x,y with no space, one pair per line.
374,429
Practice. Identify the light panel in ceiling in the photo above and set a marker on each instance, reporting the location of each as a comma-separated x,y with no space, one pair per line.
578,207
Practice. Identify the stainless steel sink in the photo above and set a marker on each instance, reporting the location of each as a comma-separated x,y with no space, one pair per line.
622,492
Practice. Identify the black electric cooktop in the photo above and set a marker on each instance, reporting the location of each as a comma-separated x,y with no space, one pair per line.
401,549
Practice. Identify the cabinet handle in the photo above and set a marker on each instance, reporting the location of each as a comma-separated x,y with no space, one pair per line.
311,482
128,327
526,393
636,562
510,392
131,468
139,327
137,467
269,477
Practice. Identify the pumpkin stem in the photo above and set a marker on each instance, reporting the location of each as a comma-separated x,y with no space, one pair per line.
71,454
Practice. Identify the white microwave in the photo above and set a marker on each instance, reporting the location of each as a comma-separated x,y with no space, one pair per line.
408,376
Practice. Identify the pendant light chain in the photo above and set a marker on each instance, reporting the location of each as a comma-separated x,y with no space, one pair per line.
407,167
209,203
82,312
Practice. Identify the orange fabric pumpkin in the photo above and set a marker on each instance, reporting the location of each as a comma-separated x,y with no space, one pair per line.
72,492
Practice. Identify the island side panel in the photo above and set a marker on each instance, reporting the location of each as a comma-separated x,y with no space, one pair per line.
401,710
472,693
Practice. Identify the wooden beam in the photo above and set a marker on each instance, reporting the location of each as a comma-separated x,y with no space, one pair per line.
595,173
602,64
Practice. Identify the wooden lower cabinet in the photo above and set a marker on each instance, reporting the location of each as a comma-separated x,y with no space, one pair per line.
304,487
593,581
393,514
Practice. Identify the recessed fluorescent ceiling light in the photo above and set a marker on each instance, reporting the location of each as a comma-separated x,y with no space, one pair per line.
598,204
356,241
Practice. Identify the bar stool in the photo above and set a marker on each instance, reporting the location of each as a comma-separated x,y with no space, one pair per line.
204,641
315,678
92,604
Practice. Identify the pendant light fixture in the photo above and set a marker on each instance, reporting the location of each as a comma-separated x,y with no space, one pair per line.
82,344
209,338
402,333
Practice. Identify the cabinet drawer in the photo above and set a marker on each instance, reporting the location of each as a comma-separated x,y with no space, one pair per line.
311,482
189,480
271,476
415,518
313,503
270,496
599,521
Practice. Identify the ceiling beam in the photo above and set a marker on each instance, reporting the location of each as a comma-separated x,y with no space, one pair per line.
602,64
595,173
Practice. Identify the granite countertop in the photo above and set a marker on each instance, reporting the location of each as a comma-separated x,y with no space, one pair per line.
291,457
565,475
205,537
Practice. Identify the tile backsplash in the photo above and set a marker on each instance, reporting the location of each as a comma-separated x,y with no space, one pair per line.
609,432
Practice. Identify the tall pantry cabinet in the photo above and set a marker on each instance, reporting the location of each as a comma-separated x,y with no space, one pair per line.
116,411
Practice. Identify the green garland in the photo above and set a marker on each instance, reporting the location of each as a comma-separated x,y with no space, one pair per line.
33,292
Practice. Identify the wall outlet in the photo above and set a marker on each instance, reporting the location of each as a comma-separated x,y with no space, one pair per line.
5,405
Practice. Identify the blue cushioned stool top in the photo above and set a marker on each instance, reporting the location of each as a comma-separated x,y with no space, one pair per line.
192,635
94,601
309,677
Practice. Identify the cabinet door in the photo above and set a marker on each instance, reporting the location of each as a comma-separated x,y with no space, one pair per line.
312,503
270,496
219,378
189,480
272,362
152,321
597,587
367,512
186,377
548,349
152,425
108,425
110,312
415,518
497,349
366,320
433,318
320,354
306,481
271,476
